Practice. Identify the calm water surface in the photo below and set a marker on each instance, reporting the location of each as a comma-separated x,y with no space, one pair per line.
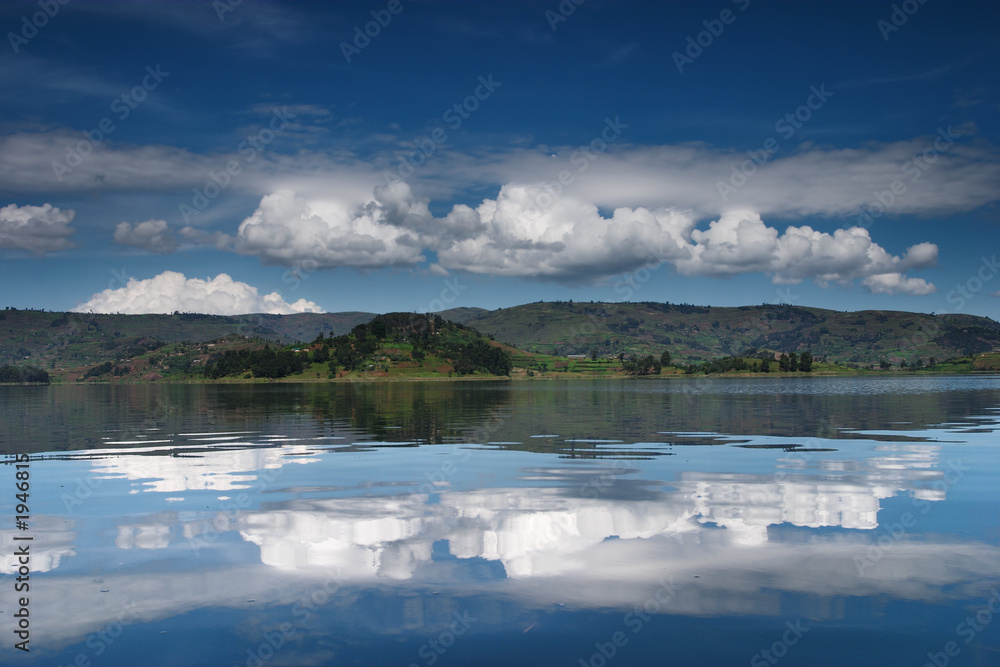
700,521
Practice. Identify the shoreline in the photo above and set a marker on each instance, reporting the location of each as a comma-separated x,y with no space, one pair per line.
551,377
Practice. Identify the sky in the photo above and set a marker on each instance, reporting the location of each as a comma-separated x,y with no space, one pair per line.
230,157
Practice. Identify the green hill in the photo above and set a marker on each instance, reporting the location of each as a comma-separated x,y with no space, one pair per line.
63,341
395,345
700,333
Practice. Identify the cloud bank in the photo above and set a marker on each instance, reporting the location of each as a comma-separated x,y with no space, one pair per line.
39,229
151,236
171,291
527,233
940,176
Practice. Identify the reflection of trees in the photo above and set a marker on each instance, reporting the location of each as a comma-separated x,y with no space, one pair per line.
639,411
74,418
428,412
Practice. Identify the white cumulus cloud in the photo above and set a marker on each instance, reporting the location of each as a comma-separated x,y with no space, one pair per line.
572,241
890,283
566,240
171,291
151,235
741,242
39,229
289,229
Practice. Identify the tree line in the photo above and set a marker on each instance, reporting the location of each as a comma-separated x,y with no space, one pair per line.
647,365
20,374
756,362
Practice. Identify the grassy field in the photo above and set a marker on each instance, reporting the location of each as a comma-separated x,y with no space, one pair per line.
987,362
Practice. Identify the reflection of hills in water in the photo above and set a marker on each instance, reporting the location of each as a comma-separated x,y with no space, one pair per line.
74,418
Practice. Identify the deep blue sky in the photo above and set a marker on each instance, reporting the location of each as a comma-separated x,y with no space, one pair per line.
323,218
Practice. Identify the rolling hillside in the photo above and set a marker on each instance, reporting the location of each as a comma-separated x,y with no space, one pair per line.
54,340
697,333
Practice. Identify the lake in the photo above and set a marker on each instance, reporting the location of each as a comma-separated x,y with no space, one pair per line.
692,521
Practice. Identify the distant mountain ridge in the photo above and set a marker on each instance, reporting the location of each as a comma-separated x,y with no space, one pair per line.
688,332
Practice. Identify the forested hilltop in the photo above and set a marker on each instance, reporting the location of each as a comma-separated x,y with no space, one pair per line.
411,344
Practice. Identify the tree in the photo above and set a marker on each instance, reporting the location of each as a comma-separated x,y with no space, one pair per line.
593,354
806,362
345,355
793,362
665,358
647,365
628,364
765,366
367,345
884,365
783,363
378,329
480,356
97,371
